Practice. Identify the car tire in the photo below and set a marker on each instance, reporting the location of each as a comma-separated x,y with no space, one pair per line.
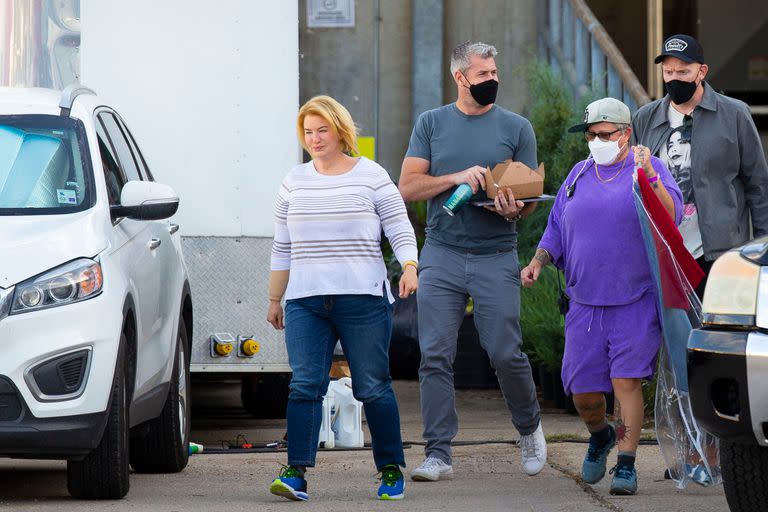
164,448
745,475
103,473
265,395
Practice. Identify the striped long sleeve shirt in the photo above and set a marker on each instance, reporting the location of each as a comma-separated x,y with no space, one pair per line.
328,230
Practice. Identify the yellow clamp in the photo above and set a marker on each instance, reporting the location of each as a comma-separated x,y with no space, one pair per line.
250,347
223,349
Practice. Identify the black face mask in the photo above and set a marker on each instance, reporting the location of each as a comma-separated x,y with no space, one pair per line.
484,93
680,92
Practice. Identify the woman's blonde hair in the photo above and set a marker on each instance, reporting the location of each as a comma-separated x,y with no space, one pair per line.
336,115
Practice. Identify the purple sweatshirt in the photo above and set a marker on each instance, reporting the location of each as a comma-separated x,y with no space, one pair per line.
595,234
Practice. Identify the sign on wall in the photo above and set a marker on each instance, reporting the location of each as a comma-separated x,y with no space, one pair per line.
330,13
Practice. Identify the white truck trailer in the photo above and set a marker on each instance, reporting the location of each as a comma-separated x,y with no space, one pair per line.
211,91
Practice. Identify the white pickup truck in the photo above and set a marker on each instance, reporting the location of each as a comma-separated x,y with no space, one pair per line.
728,371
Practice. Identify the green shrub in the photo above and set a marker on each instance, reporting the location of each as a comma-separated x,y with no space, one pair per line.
551,113
417,214
649,400
541,322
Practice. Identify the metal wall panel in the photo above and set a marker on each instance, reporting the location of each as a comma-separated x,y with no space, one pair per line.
228,278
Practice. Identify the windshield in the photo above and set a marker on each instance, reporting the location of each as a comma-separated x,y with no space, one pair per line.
43,166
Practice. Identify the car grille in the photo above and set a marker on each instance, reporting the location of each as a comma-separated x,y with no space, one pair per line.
62,376
71,373
10,403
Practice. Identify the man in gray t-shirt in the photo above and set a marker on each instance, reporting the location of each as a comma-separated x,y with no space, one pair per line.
470,254
450,141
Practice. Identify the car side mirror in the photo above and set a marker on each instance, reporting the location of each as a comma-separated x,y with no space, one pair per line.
146,200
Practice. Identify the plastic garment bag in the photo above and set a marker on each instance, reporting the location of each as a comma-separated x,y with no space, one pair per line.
691,454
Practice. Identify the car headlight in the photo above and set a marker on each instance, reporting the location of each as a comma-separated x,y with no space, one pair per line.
76,281
756,251
731,294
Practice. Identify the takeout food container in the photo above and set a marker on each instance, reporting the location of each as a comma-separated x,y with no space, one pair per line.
523,181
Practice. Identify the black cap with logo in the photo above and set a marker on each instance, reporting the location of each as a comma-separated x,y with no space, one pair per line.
683,47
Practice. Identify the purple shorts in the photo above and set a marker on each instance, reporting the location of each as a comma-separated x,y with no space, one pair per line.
605,342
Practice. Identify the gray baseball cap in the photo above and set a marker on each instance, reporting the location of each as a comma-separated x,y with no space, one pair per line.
608,110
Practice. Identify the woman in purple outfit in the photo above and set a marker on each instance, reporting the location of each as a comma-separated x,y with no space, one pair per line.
612,329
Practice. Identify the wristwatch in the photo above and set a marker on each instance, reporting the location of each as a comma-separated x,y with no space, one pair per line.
515,218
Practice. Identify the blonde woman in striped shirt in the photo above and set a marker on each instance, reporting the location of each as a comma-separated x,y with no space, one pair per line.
327,265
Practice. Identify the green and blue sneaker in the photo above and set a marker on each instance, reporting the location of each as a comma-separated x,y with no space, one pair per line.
593,467
392,483
624,480
290,485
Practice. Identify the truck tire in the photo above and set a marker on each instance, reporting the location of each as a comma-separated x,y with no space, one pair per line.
103,473
265,395
165,446
745,476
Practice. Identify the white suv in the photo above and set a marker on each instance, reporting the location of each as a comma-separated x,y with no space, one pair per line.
95,307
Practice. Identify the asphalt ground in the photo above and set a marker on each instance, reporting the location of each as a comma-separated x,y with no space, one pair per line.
487,469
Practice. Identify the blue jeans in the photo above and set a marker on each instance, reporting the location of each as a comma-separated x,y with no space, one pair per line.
363,324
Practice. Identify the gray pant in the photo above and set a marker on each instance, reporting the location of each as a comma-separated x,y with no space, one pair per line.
446,278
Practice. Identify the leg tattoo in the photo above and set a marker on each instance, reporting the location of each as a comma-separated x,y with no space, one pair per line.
622,429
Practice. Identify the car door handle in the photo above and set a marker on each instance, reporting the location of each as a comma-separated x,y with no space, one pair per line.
154,243
172,228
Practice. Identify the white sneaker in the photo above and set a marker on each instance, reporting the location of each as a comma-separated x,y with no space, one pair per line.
431,470
533,450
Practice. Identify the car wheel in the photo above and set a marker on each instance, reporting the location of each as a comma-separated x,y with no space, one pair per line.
103,473
165,446
265,395
745,475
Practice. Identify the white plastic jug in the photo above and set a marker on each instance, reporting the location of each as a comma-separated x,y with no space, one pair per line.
348,423
327,437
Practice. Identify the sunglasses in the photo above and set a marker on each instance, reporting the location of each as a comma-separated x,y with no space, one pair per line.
603,136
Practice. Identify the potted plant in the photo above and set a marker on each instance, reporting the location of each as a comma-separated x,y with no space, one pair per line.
404,352
543,331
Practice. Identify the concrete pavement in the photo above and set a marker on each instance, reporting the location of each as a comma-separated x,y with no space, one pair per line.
488,476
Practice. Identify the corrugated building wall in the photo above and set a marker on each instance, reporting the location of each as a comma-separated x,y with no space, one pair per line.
370,67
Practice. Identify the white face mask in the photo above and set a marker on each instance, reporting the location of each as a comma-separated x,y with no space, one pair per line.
604,153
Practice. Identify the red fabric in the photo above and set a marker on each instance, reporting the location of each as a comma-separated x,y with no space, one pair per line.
673,293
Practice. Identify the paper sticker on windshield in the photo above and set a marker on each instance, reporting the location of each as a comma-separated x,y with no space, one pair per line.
66,196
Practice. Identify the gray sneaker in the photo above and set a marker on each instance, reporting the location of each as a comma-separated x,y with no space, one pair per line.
432,470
